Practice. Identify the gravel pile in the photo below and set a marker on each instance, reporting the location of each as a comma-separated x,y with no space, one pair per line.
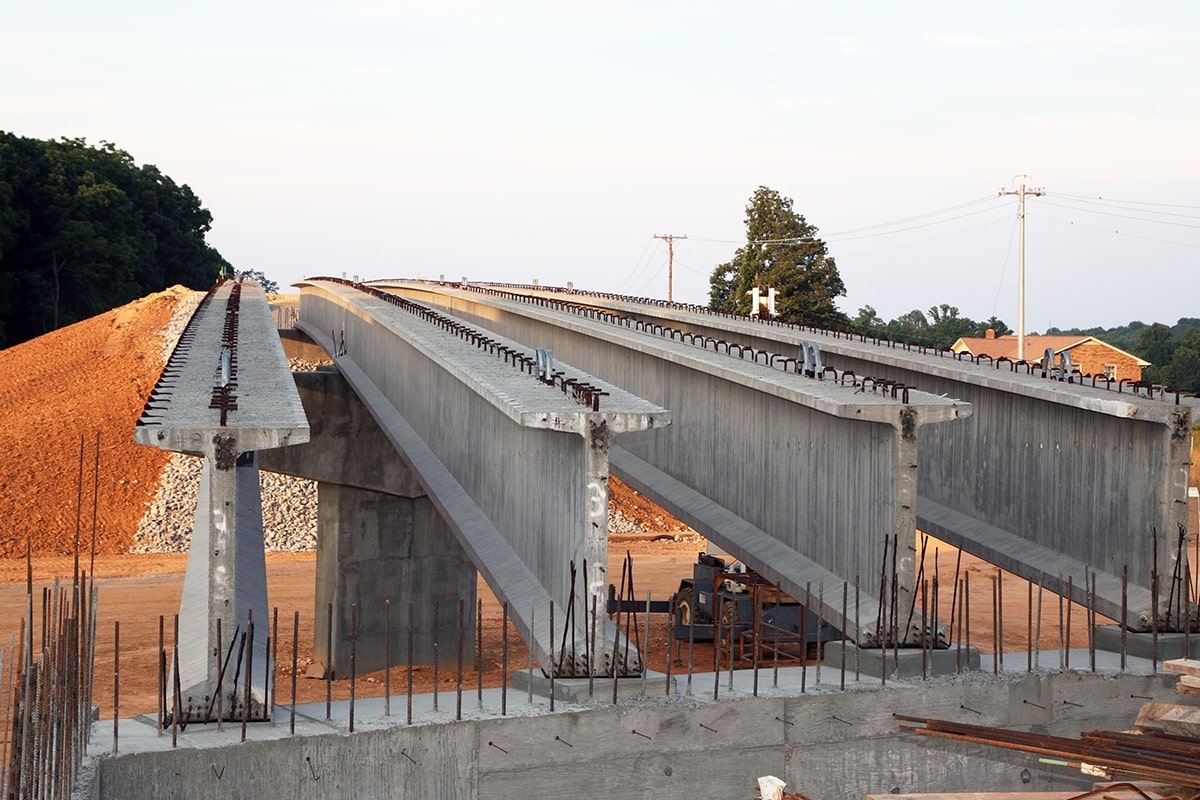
289,510
289,505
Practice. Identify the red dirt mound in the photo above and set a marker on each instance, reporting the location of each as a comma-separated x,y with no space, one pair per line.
72,388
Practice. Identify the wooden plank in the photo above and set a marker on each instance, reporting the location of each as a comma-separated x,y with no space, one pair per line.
1184,666
1181,689
1169,718
1189,680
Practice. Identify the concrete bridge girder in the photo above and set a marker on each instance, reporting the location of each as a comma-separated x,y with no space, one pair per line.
483,443
1048,479
829,473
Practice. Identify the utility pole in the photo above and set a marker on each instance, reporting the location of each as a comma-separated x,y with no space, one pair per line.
1020,193
670,240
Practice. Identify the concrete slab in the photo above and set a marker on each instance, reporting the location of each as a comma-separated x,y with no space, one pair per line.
1142,645
581,690
911,664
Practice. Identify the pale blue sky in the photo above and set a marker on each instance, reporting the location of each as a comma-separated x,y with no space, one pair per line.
515,141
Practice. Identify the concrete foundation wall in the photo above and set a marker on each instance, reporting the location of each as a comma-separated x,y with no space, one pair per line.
836,745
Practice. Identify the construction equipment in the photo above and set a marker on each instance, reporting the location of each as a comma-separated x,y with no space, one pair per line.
743,605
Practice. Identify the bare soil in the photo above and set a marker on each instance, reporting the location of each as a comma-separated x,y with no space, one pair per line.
77,392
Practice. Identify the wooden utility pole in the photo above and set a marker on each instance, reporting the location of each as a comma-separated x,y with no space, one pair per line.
670,240
1020,193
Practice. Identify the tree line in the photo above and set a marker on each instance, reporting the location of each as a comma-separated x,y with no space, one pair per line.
783,251
84,229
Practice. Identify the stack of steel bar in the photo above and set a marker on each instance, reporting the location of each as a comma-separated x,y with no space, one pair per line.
1154,756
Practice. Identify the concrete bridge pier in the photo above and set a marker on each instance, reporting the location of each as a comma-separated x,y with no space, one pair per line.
398,561
223,619
381,542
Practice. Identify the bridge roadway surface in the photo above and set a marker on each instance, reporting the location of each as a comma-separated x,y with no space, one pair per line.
815,478
1051,480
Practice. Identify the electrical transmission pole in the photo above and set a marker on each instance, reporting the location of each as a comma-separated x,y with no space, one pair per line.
670,240
1020,193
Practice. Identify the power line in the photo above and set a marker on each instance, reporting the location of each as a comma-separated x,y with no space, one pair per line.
1113,200
1139,219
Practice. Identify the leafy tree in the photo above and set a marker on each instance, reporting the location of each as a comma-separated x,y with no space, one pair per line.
995,324
782,252
269,286
1156,344
84,229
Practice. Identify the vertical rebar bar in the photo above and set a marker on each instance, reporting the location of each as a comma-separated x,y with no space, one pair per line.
504,658
387,657
1092,620
249,667
270,690
857,630
1124,612
479,651
644,650
329,661
845,611
1000,616
218,691
551,669
437,653
412,623
353,659
175,687
116,684
670,638
1062,642
162,676
459,677
592,647
966,616
716,626
1029,627
295,653
532,628
995,629
1070,603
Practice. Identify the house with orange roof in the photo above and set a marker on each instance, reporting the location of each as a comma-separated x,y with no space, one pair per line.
1089,355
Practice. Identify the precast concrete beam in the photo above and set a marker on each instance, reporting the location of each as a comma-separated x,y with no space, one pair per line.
1090,473
517,466
225,393
828,467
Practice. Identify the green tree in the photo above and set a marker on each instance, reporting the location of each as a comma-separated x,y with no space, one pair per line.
83,229
269,286
1156,344
1183,371
781,252
994,323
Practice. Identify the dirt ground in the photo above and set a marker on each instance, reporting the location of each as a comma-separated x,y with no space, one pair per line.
71,473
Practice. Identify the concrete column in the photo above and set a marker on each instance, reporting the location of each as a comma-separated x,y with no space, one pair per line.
374,547
226,580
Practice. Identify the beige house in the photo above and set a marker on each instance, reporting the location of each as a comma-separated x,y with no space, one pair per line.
1089,355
